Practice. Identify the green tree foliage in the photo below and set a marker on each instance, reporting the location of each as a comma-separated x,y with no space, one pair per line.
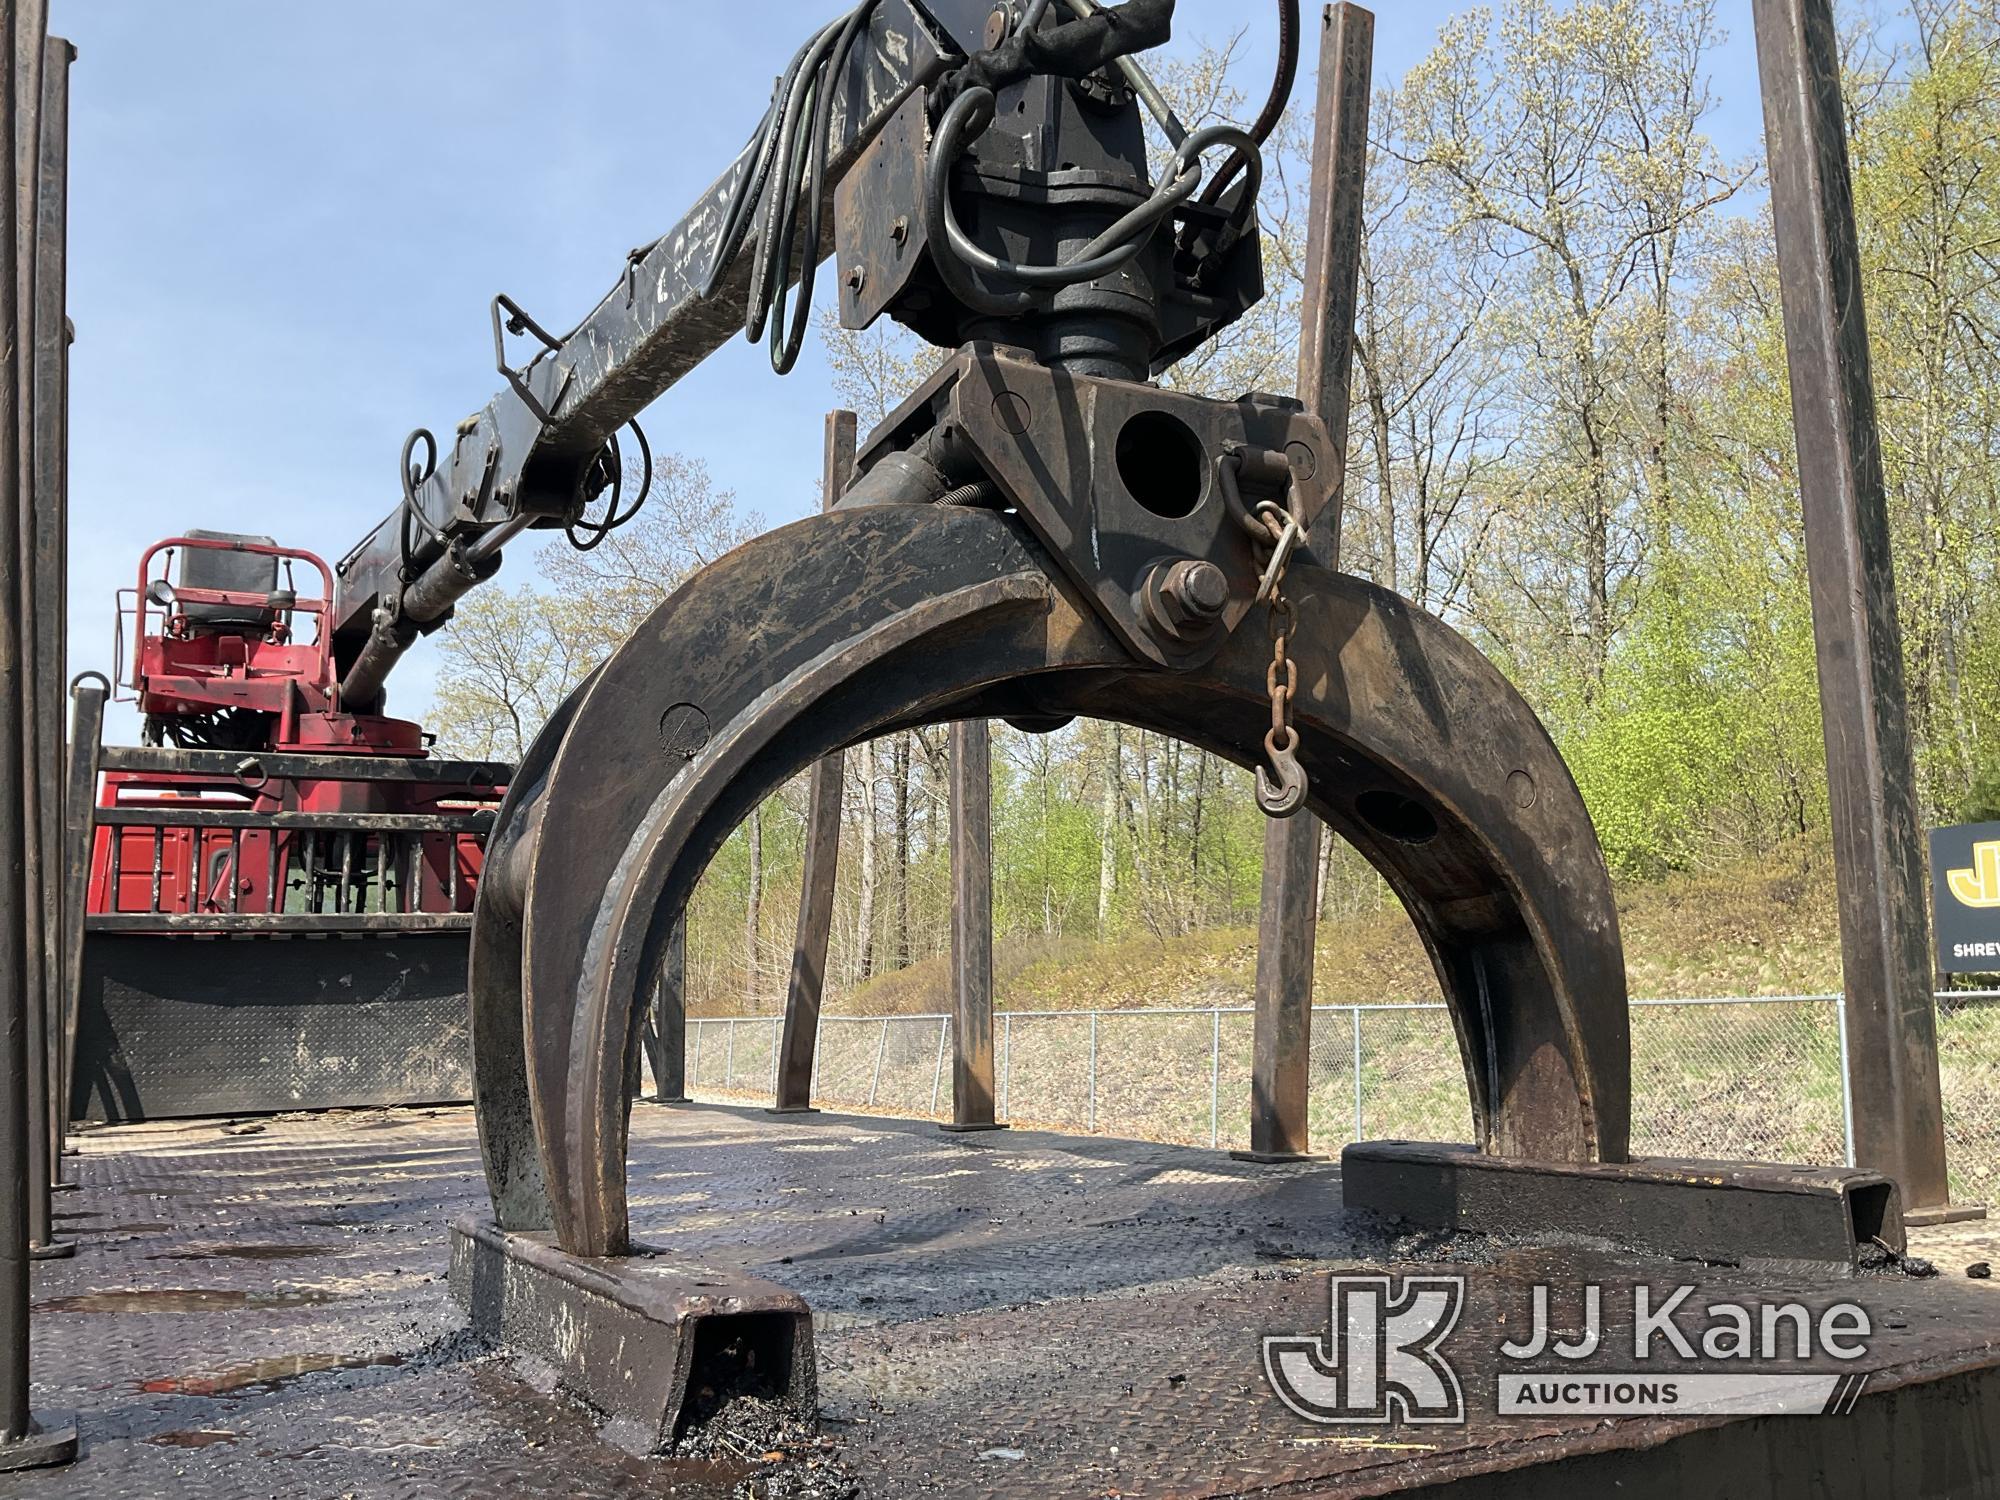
1571,438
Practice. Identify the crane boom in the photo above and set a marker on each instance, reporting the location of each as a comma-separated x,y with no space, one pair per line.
524,459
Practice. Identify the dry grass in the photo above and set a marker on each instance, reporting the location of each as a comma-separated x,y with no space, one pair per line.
1752,1081
1761,928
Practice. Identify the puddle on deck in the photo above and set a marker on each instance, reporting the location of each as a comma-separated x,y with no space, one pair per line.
182,1300
192,1438
263,1376
246,1252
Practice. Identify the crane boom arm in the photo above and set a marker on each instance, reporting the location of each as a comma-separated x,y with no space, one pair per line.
523,460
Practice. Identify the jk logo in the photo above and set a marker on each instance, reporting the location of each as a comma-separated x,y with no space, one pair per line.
1378,1360
1980,885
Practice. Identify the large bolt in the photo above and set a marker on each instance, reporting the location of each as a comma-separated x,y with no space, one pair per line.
1187,597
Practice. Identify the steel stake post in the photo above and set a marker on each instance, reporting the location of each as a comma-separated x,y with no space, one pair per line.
49,456
1877,836
86,738
1280,1069
669,1029
24,1443
29,51
807,989
972,926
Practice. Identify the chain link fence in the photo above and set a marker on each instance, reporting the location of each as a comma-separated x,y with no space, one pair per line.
1760,1078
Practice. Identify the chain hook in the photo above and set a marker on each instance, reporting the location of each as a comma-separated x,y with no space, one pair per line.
1286,794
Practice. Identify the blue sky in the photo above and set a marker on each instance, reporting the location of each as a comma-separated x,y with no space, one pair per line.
287,222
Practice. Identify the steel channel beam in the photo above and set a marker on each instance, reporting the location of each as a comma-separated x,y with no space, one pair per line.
822,853
1877,834
50,418
299,923
972,926
156,760
1279,1079
198,815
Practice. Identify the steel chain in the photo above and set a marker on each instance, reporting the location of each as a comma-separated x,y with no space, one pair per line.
1275,534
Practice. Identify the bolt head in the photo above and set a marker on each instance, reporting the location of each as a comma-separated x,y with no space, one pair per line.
1189,597
1198,587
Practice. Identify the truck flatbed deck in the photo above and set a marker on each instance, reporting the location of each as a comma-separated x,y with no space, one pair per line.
261,1309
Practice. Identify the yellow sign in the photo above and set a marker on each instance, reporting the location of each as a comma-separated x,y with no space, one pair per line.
1980,885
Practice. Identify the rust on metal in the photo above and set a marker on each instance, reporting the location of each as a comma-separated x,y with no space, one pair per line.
822,850
1871,778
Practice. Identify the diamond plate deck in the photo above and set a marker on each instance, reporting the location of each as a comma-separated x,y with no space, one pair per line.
267,1314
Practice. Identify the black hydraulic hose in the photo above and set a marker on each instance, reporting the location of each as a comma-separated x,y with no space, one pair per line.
788,341
750,186
412,478
1075,49
780,194
970,114
1274,106
586,535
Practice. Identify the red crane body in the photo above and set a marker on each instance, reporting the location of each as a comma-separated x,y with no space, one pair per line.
226,657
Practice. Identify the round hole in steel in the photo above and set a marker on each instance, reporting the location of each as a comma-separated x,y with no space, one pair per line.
1395,816
1162,463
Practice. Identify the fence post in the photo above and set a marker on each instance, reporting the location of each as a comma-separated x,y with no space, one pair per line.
819,1036
1846,1081
1355,1011
1215,1078
881,1046
694,1076
1091,1128
937,1072
777,1046
729,1056
1007,1064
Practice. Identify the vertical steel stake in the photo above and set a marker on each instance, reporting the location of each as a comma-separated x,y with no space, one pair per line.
24,1443
29,54
668,1033
86,738
793,1091
1877,839
1279,1078
972,926
50,419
